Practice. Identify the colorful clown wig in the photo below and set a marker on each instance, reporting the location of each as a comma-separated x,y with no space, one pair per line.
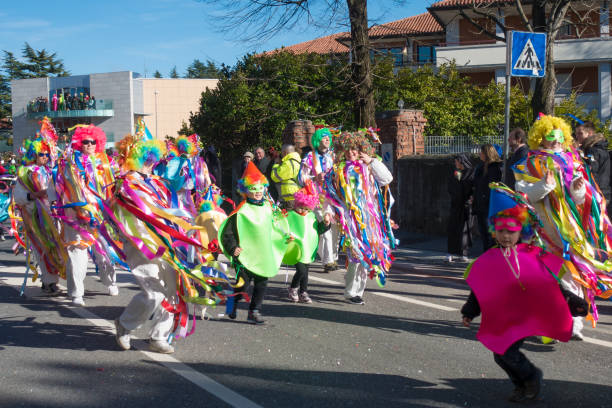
31,149
353,141
546,125
145,153
318,135
187,145
211,200
252,177
87,132
304,198
171,150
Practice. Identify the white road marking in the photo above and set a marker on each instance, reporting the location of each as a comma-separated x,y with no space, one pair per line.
415,301
598,342
204,382
322,280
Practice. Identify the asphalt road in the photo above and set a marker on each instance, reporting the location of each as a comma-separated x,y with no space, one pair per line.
404,347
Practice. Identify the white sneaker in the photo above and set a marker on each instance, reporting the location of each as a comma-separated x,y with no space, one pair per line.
160,346
113,290
122,336
449,259
465,259
78,301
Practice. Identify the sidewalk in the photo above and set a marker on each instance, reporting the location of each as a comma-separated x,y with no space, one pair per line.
427,248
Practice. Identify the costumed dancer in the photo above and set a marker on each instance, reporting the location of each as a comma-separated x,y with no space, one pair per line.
315,166
573,210
33,195
85,178
255,236
156,248
516,288
358,194
7,181
306,231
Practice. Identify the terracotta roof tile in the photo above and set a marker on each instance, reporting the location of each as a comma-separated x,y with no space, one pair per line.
323,45
420,24
463,3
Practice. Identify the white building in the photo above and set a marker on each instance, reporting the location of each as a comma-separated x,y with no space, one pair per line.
120,99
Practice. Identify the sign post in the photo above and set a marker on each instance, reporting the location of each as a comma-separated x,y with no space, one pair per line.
525,57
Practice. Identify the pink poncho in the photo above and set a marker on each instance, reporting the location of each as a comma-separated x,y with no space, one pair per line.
514,308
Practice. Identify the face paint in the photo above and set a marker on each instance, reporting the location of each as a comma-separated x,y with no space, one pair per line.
555,135
256,188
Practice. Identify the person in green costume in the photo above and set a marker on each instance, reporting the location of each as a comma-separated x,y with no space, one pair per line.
256,238
306,230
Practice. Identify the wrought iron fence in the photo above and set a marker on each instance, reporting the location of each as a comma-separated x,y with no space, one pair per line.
458,144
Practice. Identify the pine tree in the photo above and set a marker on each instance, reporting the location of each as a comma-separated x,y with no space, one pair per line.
173,73
198,69
157,74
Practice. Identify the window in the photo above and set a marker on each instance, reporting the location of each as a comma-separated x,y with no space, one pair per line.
426,54
396,53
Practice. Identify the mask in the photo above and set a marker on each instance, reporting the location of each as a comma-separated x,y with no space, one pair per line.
555,135
256,188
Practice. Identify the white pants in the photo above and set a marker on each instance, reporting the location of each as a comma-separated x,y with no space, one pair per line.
77,265
107,272
157,281
45,277
355,280
328,245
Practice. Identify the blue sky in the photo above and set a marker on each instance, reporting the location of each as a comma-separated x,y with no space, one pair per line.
138,35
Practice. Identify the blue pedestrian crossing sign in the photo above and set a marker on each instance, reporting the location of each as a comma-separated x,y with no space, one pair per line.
528,54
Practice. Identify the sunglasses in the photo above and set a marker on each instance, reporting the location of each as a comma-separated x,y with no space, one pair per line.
88,142
44,155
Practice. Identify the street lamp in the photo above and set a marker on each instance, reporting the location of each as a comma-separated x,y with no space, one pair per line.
156,92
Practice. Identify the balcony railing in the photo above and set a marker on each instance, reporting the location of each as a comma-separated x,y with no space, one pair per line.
103,108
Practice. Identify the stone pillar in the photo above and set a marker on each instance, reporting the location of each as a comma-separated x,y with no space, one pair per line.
297,133
604,20
605,89
404,129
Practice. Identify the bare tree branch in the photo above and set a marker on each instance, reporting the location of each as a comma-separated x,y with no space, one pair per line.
480,27
519,8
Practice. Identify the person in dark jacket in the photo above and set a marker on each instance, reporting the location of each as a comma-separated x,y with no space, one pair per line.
488,171
518,144
214,164
460,188
594,147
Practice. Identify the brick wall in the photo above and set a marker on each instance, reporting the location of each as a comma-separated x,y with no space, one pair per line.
297,133
405,129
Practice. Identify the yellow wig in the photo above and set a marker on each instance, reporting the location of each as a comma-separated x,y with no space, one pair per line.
544,125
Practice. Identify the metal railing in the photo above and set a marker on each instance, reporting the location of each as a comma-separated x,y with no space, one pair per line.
438,145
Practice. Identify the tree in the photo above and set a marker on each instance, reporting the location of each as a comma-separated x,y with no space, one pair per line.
173,73
157,74
254,100
271,16
36,64
547,16
198,69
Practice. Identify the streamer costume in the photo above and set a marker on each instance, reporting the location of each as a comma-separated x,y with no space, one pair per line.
33,195
516,288
356,191
572,209
315,166
85,177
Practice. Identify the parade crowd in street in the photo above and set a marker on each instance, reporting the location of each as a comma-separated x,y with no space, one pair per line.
154,208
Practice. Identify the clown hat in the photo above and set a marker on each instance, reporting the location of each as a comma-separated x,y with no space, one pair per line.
306,197
510,210
251,177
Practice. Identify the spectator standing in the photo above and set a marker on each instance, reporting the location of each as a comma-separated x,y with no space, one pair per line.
488,171
518,144
214,164
594,148
286,174
460,188
237,172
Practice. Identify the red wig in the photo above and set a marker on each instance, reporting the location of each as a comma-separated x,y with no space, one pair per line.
89,132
